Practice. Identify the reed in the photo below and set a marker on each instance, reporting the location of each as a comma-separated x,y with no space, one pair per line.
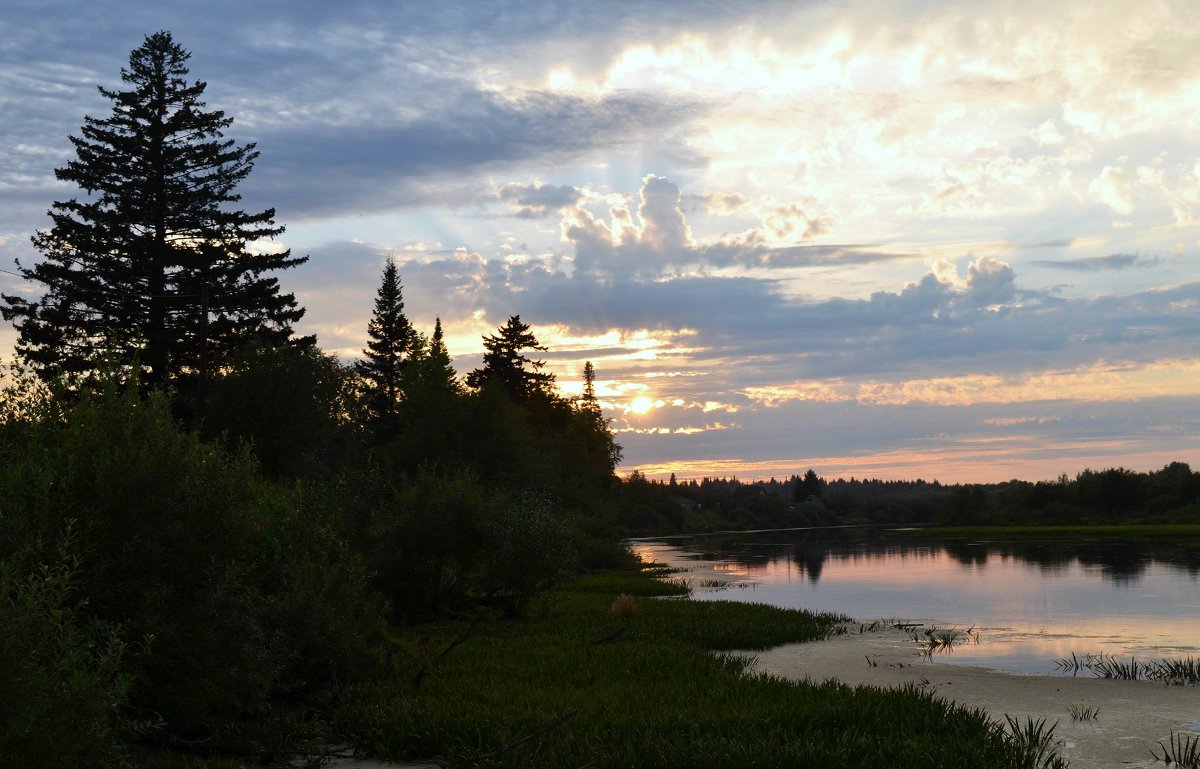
1083,713
1180,750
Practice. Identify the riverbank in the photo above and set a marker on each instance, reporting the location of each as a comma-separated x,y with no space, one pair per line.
597,674
1133,715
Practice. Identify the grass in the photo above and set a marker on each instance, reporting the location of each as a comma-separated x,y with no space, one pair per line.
1180,750
561,688
937,640
1083,712
1178,672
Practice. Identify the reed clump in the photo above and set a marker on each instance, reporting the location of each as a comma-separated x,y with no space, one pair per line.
1172,671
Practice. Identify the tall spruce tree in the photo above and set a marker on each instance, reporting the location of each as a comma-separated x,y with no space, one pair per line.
391,342
437,371
153,264
505,364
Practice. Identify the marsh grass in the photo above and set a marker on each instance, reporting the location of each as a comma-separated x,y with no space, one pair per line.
1036,743
656,696
1083,712
1179,672
1181,750
936,640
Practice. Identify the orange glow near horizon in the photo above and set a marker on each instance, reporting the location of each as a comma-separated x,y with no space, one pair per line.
981,463
1099,382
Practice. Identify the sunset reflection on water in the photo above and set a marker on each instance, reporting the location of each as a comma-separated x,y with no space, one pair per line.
1034,602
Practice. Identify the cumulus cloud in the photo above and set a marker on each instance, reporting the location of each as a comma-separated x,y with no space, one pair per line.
1114,188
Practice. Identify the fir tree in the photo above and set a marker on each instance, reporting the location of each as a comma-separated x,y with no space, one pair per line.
437,371
136,268
504,364
390,344
589,388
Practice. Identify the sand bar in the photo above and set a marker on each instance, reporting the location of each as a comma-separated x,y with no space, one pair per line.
1134,715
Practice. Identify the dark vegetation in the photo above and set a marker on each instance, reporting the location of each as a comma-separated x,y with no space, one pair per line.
221,546
1115,496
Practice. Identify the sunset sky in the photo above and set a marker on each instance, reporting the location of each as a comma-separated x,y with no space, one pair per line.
891,239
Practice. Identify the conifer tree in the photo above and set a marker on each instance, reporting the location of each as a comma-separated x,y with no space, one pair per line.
390,344
136,268
589,387
505,364
437,371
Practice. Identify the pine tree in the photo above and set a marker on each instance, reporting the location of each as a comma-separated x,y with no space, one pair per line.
135,270
588,398
390,344
503,363
437,371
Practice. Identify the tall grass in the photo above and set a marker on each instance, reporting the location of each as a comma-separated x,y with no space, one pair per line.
559,689
1179,672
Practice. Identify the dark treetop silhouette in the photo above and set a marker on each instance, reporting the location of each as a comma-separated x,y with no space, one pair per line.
132,271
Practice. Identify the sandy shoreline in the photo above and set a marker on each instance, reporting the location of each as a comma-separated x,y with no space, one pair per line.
1134,715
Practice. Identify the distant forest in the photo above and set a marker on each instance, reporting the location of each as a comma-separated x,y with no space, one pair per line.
1114,495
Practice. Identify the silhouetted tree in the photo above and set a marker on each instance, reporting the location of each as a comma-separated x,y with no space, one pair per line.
808,486
128,269
391,338
504,364
431,365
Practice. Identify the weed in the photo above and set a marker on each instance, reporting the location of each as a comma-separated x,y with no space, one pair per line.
1035,742
1181,750
1083,712
1177,672
942,640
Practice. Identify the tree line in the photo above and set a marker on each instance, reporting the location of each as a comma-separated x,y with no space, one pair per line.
206,521
1112,495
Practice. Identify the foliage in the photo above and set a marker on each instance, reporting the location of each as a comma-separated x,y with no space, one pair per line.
389,346
238,593
506,366
530,549
129,269
431,544
65,679
294,407
655,696
1112,496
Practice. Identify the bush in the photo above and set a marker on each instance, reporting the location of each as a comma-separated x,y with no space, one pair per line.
237,591
431,543
63,680
530,549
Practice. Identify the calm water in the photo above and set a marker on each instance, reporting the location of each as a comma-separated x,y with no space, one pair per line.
1033,602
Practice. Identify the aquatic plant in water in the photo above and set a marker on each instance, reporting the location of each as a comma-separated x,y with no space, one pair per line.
1180,750
1083,712
1169,671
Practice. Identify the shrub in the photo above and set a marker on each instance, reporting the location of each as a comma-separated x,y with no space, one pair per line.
64,679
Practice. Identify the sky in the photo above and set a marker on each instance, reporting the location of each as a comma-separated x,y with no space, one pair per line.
892,239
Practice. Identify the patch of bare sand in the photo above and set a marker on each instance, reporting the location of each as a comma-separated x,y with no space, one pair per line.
1134,715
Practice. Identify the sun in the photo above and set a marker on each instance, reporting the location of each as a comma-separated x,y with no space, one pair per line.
641,405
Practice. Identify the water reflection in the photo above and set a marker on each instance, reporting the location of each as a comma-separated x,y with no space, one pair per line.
1035,601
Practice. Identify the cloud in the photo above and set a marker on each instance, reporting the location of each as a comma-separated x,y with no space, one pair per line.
1114,188
405,163
1101,263
538,201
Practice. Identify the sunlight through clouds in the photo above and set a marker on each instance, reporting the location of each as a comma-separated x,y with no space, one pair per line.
883,234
